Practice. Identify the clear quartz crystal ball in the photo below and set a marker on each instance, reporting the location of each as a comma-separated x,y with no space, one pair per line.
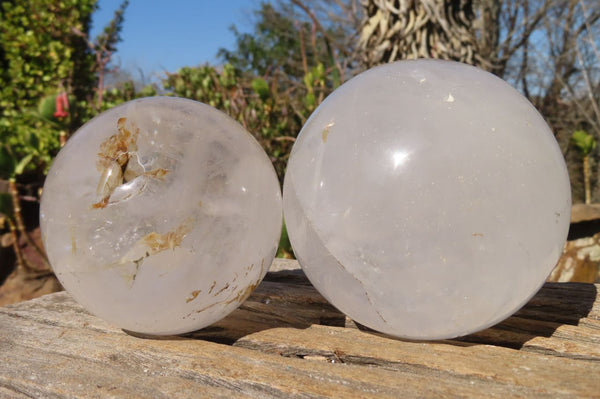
427,199
161,215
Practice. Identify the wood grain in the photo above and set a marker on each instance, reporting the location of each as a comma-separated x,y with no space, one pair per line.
287,341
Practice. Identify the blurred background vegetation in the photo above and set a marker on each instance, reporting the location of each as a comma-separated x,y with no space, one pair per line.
54,77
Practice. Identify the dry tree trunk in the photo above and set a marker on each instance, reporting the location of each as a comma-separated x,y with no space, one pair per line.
410,29
586,179
20,227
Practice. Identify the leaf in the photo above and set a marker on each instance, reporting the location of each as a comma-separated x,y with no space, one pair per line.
284,249
319,71
336,78
22,164
584,141
308,81
34,140
206,82
7,162
47,106
261,87
310,100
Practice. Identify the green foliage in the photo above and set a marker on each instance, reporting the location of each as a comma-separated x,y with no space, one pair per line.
111,35
284,45
124,92
47,107
284,250
275,78
10,166
41,56
45,52
584,142
204,84
28,134
40,50
7,162
252,101
274,44
103,48
315,82
272,112
261,87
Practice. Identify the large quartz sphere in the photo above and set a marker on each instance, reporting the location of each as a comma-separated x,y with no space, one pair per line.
427,199
161,215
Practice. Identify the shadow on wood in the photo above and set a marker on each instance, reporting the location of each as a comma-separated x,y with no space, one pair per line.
563,311
556,316
284,298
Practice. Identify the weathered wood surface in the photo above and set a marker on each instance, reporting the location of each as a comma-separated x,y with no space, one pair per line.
287,341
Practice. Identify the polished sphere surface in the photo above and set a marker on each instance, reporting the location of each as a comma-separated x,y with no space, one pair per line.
427,199
161,215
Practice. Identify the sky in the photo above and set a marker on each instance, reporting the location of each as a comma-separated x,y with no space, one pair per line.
161,35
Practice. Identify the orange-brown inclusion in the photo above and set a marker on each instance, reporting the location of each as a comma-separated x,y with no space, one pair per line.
193,295
115,149
160,242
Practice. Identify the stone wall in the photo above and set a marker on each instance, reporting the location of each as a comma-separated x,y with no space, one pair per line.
580,261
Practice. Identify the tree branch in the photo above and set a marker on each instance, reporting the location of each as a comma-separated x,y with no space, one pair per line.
319,27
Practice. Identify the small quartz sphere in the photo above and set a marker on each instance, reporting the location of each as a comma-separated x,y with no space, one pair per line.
427,199
161,215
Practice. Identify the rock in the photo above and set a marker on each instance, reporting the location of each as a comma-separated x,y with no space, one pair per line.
20,286
580,261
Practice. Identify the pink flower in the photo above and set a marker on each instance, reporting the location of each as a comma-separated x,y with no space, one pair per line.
62,105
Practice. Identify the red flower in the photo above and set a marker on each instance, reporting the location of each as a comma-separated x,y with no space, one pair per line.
62,105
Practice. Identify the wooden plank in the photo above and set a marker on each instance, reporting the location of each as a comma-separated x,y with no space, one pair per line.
564,303
481,365
575,342
59,359
287,341
585,212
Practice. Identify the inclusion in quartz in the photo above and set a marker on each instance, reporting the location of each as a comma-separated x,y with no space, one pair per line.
161,215
427,199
